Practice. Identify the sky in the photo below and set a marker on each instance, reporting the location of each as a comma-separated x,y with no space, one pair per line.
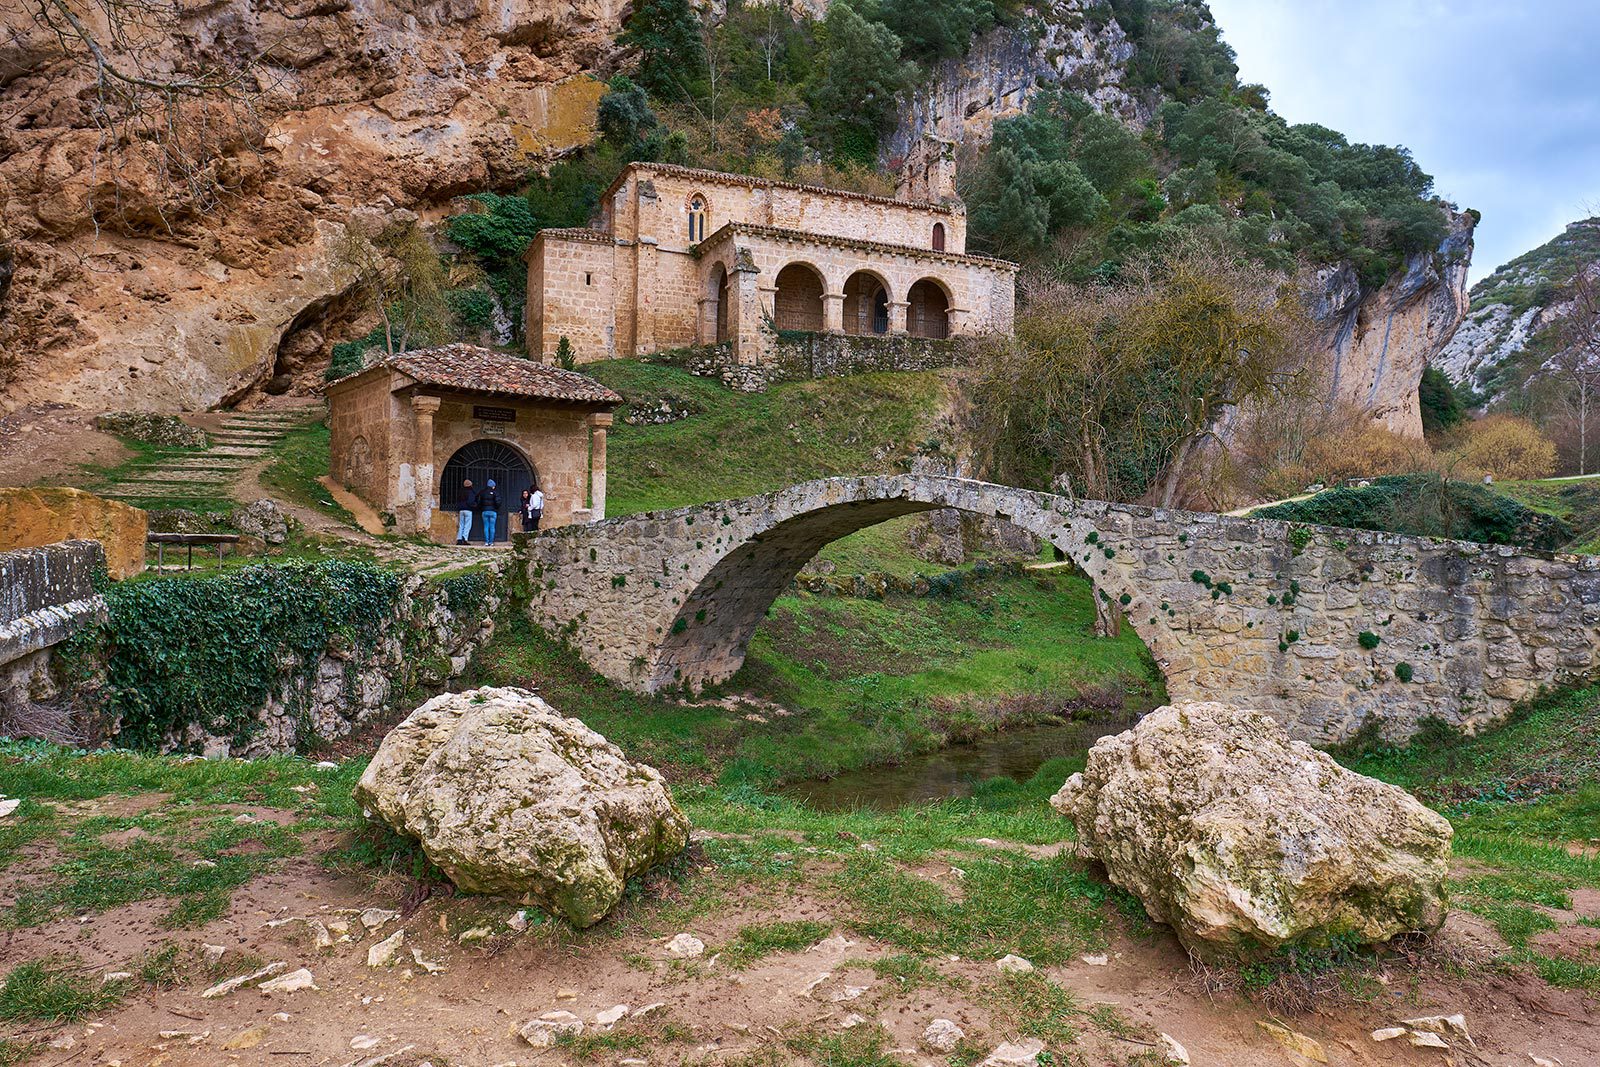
1499,100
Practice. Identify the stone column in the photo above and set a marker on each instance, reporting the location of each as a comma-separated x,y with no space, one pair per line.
422,412
598,422
897,316
833,313
955,320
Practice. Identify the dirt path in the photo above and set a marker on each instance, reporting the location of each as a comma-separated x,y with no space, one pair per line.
453,996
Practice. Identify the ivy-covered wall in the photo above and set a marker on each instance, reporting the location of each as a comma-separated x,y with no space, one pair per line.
274,657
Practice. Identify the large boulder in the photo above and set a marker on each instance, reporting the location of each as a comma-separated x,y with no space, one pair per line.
1243,840
508,797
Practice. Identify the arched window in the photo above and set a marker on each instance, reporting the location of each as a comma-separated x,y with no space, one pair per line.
938,237
697,219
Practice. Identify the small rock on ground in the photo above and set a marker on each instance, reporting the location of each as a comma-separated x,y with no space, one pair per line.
1014,965
292,982
543,1031
1019,1054
384,952
942,1035
685,946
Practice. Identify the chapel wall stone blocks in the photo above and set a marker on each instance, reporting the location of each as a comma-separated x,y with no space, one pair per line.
682,257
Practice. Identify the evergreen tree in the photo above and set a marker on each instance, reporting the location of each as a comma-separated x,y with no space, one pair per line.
666,34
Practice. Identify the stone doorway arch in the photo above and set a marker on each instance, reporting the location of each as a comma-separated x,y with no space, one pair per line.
866,304
797,305
928,310
480,461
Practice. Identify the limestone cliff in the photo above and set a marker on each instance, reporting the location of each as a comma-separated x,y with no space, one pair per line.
383,106
1377,343
955,110
1507,337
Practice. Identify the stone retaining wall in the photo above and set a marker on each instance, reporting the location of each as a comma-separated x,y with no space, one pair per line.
424,644
47,594
1327,629
802,356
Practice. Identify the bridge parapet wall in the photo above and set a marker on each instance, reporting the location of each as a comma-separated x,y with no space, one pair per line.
1327,629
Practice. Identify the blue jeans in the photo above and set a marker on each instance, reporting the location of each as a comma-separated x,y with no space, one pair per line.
463,524
489,518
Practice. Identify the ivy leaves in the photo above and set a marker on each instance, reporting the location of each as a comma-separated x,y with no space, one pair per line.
213,650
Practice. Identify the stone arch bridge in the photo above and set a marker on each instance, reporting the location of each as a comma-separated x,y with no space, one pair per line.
1325,628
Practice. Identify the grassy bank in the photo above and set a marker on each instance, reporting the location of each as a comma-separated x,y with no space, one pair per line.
861,682
739,444
1525,802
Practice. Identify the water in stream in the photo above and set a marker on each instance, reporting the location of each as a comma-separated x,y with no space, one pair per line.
952,772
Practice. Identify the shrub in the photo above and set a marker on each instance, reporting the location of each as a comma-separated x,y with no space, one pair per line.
1368,640
1504,447
566,358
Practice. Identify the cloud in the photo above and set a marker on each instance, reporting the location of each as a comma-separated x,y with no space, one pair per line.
1499,102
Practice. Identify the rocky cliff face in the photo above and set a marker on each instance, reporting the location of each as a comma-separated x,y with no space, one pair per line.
955,111
1376,343
112,296
1506,335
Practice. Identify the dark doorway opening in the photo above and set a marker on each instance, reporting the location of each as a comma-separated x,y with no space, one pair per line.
482,461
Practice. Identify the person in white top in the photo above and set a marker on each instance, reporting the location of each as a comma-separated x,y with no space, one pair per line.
532,508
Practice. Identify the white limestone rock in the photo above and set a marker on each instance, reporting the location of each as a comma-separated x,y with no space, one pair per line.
1244,840
292,982
385,952
547,1028
508,797
942,1035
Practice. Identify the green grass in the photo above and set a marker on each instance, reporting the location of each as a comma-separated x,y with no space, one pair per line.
1575,503
740,444
299,459
55,990
759,940
1518,796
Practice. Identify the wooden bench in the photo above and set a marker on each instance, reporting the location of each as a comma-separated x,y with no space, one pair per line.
162,540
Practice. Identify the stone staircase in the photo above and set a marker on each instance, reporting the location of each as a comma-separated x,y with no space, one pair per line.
244,438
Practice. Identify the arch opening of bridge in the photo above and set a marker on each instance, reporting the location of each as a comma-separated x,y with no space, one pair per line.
726,607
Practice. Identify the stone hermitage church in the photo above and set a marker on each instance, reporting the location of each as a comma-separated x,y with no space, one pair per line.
684,257
406,431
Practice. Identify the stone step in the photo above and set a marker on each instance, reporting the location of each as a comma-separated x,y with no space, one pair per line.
179,479
249,451
228,463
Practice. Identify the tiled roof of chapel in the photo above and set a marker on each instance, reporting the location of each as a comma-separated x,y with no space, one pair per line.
473,368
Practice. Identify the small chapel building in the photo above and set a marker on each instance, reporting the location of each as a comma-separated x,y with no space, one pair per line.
684,257
408,430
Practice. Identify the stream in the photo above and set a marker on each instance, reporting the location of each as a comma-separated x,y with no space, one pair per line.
952,772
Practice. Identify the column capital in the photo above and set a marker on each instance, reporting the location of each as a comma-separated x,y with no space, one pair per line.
601,419
424,405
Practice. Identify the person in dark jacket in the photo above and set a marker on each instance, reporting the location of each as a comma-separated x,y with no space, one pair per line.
489,507
469,504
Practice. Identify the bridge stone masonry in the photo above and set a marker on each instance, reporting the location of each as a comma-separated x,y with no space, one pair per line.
1326,629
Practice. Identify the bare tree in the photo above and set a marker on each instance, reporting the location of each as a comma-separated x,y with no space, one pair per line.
164,116
401,279
1125,388
1578,362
